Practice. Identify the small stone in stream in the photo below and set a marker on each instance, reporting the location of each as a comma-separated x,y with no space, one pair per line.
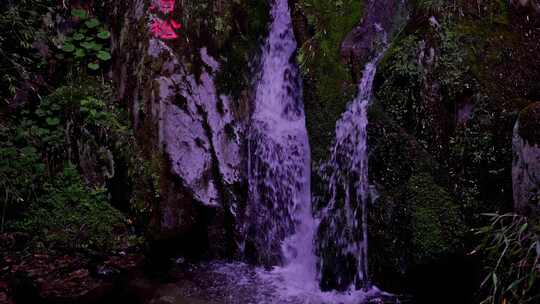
105,271
4,299
180,260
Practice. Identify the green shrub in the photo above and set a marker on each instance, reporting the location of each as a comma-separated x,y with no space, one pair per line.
69,214
21,173
43,193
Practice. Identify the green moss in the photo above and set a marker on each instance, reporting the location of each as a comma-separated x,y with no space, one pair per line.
436,222
238,49
328,82
399,92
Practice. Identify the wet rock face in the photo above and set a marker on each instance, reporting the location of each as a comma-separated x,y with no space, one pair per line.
526,164
382,16
180,117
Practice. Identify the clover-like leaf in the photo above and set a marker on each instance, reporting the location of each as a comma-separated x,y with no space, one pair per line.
79,36
79,13
103,55
104,34
80,53
53,121
96,46
68,47
93,66
88,45
29,150
92,23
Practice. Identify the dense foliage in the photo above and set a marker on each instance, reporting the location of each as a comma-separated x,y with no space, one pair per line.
21,25
44,152
59,144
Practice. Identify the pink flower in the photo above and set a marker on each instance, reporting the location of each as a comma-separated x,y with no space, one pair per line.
175,24
166,6
162,29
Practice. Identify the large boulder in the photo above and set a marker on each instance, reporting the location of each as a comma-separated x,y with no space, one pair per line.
182,123
526,164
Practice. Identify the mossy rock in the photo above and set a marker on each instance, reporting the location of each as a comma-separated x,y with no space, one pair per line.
529,124
436,220
417,223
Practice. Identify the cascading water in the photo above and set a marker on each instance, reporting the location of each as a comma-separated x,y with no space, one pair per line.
343,232
280,222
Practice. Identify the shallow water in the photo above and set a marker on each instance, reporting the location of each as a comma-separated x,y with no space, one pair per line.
238,283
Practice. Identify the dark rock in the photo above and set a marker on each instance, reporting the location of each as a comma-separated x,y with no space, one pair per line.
526,164
4,293
527,5
13,241
106,272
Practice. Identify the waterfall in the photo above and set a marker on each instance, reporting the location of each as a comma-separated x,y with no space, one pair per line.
280,225
343,232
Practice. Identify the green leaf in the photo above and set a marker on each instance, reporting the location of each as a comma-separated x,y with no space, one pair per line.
29,150
68,47
39,168
79,13
78,36
88,45
104,35
40,113
96,46
93,66
53,121
103,55
80,53
92,23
